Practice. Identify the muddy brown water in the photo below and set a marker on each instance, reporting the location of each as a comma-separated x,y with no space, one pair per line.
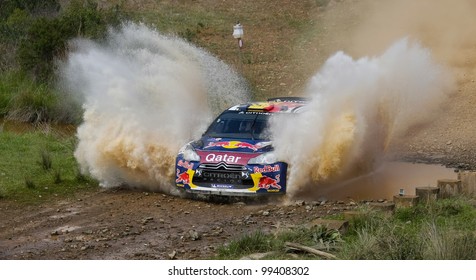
385,182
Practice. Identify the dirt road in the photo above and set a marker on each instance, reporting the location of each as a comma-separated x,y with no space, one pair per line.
124,224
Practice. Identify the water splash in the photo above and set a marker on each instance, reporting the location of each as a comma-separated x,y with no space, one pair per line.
144,95
357,107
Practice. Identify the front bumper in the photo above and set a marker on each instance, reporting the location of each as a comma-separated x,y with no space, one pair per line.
231,179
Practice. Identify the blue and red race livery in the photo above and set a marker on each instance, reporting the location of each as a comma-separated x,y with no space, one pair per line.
235,155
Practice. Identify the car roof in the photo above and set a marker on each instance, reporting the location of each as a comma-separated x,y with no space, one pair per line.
273,105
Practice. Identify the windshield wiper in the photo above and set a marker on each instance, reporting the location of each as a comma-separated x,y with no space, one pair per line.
252,130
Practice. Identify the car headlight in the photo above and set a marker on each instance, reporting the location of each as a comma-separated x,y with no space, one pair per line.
188,153
265,158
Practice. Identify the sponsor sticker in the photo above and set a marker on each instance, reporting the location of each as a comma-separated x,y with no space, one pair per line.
266,183
226,158
182,177
220,186
267,168
185,164
232,145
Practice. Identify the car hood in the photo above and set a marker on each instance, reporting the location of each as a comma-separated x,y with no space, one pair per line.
233,145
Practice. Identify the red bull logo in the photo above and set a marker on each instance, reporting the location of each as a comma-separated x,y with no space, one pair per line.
182,177
233,145
185,164
266,168
268,182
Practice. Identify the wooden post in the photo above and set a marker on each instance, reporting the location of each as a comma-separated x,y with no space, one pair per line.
468,182
449,187
427,194
405,201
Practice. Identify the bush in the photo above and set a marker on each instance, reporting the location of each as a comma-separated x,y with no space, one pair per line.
47,38
16,17
34,7
33,36
24,100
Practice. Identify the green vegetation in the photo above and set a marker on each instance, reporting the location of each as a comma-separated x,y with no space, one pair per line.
424,232
36,166
445,229
34,36
25,100
259,242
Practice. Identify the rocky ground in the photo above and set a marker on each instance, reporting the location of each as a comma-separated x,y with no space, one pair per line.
124,224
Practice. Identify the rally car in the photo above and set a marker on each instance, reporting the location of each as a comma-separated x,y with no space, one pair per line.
235,155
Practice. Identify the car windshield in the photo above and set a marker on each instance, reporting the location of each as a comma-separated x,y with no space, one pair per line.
242,125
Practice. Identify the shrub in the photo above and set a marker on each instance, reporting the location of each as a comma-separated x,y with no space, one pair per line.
16,17
34,35
45,40
47,37
35,7
24,100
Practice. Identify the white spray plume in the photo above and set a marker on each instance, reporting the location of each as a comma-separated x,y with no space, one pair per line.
357,107
145,95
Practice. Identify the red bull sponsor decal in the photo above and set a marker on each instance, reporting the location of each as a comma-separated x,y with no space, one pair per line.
268,182
182,177
266,168
233,145
185,164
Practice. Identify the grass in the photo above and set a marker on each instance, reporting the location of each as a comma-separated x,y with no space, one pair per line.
24,100
443,230
46,161
423,232
259,242
36,166
256,242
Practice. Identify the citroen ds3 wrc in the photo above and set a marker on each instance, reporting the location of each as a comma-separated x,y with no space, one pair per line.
235,154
